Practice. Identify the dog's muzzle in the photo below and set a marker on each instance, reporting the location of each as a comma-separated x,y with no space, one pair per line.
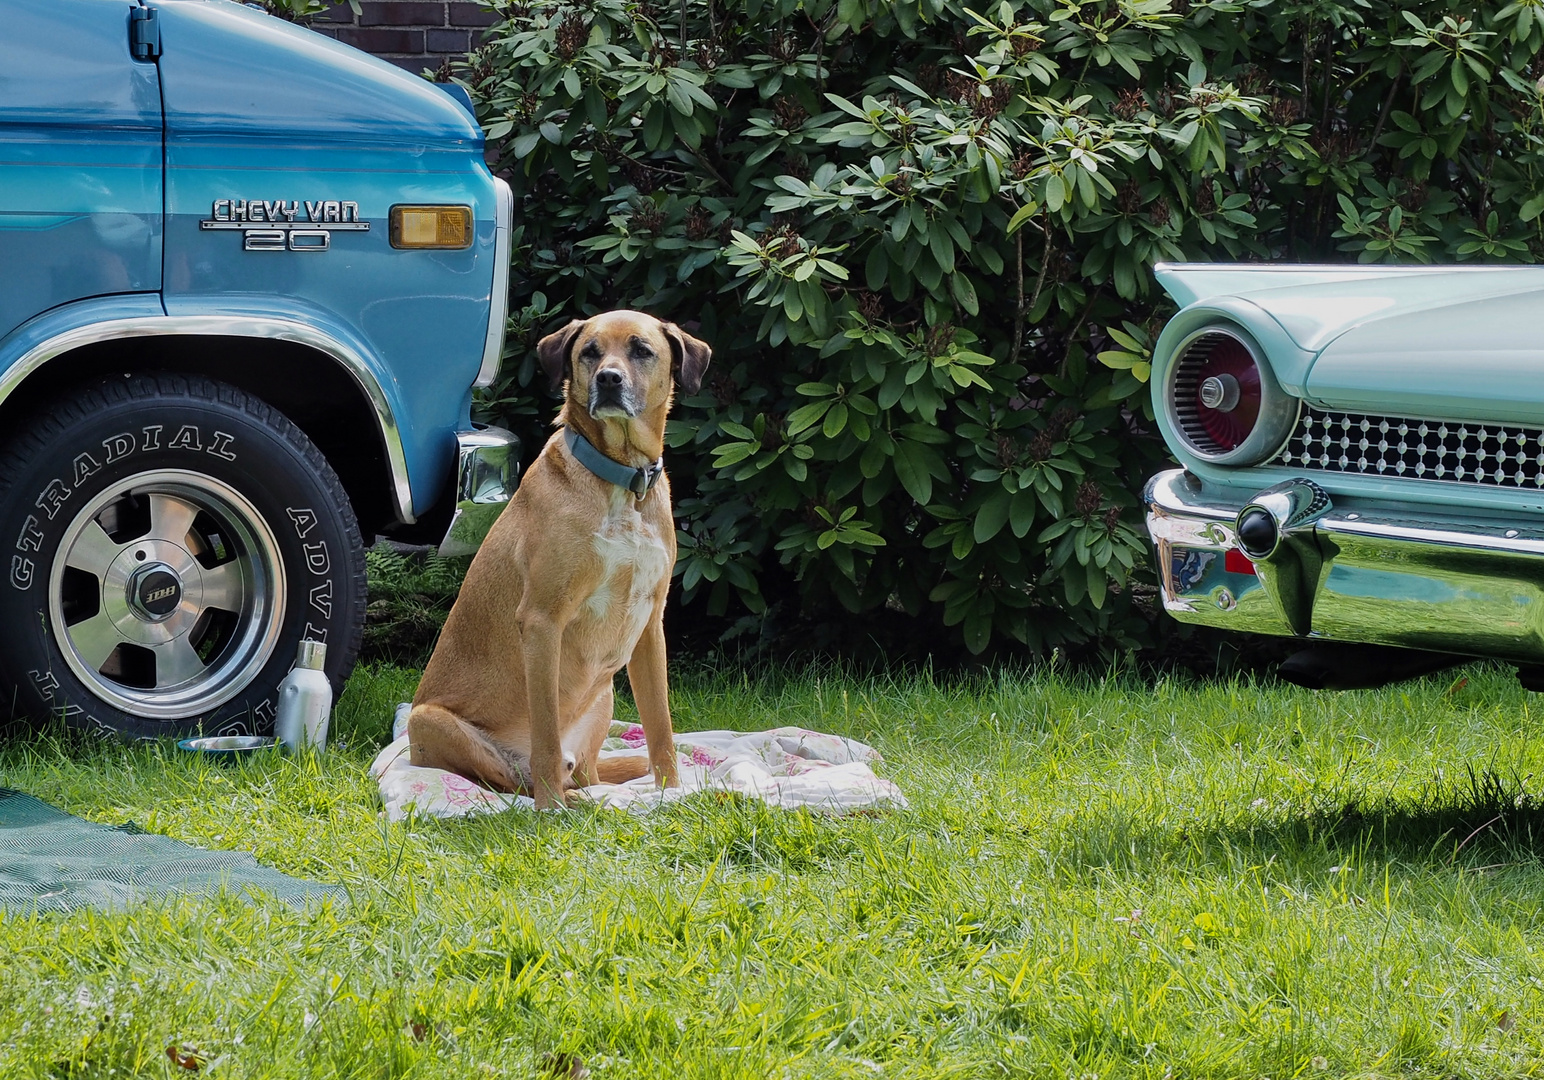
610,395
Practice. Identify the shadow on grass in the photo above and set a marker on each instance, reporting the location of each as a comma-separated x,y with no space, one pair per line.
1481,820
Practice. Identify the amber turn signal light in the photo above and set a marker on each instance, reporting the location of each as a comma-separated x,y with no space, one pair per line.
435,227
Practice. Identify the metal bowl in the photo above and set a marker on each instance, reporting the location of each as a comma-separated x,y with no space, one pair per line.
228,746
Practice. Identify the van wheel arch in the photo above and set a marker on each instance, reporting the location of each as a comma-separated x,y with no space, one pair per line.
310,388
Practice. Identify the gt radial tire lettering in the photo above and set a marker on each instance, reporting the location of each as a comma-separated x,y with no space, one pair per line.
116,448
220,447
186,439
31,536
53,498
85,465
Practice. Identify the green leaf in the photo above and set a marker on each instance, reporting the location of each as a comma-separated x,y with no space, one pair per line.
978,632
876,268
912,472
1021,217
733,454
836,420
1021,512
872,462
992,516
654,128
1098,583
525,143
942,248
960,285
806,416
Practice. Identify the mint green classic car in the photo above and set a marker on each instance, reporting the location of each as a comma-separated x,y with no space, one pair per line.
1363,452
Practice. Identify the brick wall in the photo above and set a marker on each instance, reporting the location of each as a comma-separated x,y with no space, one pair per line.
413,34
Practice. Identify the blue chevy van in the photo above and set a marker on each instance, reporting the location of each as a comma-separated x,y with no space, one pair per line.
249,278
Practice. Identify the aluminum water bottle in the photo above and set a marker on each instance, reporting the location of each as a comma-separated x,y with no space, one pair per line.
305,700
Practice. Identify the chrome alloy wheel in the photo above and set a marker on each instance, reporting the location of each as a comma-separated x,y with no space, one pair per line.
167,596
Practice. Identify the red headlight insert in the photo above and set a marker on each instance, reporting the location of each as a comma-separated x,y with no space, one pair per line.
1228,394
1217,393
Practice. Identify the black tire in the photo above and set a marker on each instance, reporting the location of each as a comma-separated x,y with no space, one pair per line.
92,497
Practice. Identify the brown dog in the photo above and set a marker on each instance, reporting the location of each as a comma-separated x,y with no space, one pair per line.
570,583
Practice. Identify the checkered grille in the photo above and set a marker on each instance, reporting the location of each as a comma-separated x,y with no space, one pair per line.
1472,453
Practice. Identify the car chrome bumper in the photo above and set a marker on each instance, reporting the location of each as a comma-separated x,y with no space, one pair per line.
1374,573
487,472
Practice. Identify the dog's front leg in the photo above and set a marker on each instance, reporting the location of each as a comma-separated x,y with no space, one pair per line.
651,691
541,640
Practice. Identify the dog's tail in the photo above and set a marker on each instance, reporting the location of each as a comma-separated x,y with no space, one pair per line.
619,770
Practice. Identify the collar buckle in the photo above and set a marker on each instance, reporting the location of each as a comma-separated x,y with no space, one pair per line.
639,480
644,479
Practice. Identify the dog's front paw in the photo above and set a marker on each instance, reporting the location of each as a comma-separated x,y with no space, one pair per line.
667,774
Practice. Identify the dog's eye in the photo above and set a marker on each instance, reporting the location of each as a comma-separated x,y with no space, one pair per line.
591,351
640,349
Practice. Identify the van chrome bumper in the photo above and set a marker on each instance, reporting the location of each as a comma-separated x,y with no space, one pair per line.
1391,576
487,472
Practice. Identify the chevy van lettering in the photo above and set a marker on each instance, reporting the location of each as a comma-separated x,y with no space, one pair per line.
278,225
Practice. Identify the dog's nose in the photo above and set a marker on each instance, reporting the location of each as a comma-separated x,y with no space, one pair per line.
608,379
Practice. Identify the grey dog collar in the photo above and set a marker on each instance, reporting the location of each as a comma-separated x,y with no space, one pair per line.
640,481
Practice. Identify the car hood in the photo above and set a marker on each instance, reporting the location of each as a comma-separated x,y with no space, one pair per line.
1441,342
229,71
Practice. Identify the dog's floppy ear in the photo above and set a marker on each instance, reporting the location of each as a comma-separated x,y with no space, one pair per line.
554,351
689,358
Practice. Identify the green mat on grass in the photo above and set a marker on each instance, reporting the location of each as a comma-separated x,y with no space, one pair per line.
53,861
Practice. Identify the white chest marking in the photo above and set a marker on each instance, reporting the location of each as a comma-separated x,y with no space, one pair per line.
626,541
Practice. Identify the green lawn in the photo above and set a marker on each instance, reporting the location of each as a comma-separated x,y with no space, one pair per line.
1095,879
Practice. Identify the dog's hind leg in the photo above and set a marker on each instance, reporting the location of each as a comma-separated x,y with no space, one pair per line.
439,739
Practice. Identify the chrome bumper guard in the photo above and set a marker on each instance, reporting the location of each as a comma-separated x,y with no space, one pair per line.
1447,583
487,472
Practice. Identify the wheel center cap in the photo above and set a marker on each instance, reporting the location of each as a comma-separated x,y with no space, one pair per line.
155,591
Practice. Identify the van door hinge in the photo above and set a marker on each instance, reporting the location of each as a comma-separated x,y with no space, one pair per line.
144,33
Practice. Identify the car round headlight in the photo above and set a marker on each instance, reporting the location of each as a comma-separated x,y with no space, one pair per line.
1224,401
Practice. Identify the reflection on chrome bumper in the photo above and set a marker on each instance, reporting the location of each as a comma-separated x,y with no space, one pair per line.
1393,576
487,470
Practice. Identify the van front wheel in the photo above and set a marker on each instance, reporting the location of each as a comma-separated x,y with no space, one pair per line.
172,539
